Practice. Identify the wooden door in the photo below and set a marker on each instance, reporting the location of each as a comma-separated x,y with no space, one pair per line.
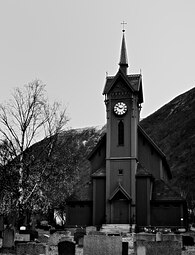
120,211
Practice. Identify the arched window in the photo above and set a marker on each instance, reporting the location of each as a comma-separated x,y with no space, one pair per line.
120,133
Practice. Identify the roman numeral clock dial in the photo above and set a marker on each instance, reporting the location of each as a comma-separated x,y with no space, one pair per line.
120,108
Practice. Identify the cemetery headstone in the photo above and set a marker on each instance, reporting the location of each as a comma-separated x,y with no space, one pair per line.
158,237
1,226
78,235
31,248
125,248
102,245
98,233
43,238
80,242
188,240
66,248
31,233
67,238
8,238
153,248
22,237
90,228
56,237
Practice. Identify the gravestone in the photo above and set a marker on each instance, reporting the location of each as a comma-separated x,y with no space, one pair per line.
59,236
8,238
125,248
22,237
153,248
1,226
166,244
67,238
54,239
90,228
78,235
188,240
66,248
80,242
33,234
31,248
102,245
43,238
98,233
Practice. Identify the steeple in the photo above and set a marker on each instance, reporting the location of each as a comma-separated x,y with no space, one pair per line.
123,57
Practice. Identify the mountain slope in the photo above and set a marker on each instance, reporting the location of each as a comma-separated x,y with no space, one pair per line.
172,127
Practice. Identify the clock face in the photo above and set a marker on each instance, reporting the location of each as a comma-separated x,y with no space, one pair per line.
120,108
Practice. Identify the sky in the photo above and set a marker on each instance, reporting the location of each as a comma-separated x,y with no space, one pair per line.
71,45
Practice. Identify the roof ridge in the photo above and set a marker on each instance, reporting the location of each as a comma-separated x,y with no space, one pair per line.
134,75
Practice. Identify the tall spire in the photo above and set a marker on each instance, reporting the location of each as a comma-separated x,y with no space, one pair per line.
123,57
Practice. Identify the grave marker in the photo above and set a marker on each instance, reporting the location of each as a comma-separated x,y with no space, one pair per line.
90,228
125,248
66,248
31,248
8,238
102,245
78,235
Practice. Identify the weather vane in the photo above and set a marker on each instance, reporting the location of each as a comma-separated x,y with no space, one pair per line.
123,23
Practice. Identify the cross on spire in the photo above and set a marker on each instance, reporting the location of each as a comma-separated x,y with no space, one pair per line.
123,57
123,23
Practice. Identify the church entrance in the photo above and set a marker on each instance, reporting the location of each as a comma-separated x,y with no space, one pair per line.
120,211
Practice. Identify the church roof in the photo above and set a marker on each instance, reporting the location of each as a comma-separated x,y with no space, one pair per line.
101,172
100,143
142,171
133,81
150,140
156,148
163,192
123,56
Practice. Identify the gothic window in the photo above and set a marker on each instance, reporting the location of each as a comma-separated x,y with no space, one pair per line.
120,133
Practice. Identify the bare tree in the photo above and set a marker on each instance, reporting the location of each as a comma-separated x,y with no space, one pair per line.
26,118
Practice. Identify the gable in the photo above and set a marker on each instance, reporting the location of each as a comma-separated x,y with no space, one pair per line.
120,87
120,77
131,83
120,193
111,81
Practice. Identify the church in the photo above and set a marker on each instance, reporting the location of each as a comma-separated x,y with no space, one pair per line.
129,172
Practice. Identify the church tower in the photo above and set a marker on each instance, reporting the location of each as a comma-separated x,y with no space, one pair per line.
123,98
129,172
